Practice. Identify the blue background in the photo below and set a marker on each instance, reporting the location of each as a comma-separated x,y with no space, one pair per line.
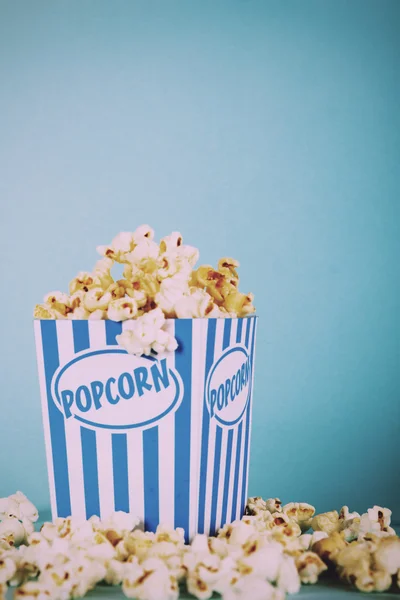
264,130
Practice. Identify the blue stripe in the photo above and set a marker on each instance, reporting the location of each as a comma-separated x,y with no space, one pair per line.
235,495
227,473
80,331
88,436
227,333
151,468
247,439
120,471
113,328
212,324
90,472
239,330
217,466
249,322
56,421
119,440
183,364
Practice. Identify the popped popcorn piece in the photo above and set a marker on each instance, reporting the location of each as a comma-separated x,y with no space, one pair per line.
237,532
79,313
309,566
196,304
290,543
205,570
151,580
328,522
301,512
11,526
84,281
328,548
240,304
171,291
6,542
345,515
96,299
121,245
119,522
255,505
307,540
281,521
164,533
59,302
273,505
143,232
34,590
387,555
169,243
364,526
7,568
145,334
355,565
102,271
164,342
43,312
261,558
227,266
189,253
116,571
288,577
135,544
214,282
9,507
249,587
173,264
144,255
122,309
380,515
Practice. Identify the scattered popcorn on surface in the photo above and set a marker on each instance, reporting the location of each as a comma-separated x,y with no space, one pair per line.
301,512
155,277
264,555
150,580
310,566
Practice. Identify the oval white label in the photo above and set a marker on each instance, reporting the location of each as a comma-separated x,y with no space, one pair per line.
228,386
115,390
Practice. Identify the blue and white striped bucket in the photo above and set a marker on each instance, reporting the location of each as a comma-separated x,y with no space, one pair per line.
164,438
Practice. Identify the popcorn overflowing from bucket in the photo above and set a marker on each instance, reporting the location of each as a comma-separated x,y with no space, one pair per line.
159,282
263,556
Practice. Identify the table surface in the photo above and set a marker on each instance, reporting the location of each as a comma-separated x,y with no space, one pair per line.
328,588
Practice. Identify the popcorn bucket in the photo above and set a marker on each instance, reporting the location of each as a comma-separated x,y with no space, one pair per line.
165,437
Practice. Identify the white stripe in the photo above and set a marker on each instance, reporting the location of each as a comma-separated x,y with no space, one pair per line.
219,335
221,486
45,415
66,351
199,338
135,473
225,433
166,451
97,338
232,475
